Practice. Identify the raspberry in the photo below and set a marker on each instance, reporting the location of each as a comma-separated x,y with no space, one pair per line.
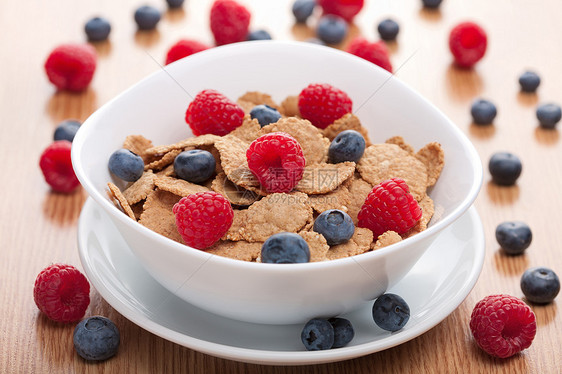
62,292
57,168
71,66
184,48
503,325
322,104
203,218
229,22
347,9
389,206
467,42
277,160
375,52
211,112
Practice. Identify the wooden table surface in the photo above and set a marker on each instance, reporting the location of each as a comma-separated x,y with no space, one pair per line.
38,227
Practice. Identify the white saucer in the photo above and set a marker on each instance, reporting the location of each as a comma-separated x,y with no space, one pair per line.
434,288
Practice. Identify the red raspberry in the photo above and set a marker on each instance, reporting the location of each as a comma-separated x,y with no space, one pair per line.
322,104
57,168
467,42
211,112
503,325
71,66
203,218
229,22
389,206
62,292
184,48
277,160
375,52
347,9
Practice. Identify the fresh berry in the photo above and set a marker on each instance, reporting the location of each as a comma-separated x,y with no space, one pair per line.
62,293
391,312
505,168
331,29
211,112
317,335
540,285
431,4
302,9
258,35
388,29
96,338
343,331
56,165
195,165
322,104
549,115
66,130
229,21
375,52
265,114
347,9
335,226
389,206
483,112
147,17
277,161
503,325
529,81
184,48
467,42
203,218
348,145
285,248
174,4
126,165
514,237
97,29
71,66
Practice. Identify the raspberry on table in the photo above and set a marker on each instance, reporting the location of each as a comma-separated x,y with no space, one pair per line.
184,48
56,165
96,338
467,42
322,104
203,218
346,9
375,52
229,21
277,161
71,66
503,325
211,112
62,293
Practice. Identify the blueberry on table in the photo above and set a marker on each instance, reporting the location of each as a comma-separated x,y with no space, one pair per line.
529,81
388,29
265,114
66,130
348,145
514,237
335,226
259,35
331,29
172,4
97,29
285,248
505,168
96,338
302,9
483,112
391,312
126,165
549,115
195,165
432,4
317,334
540,285
343,331
147,17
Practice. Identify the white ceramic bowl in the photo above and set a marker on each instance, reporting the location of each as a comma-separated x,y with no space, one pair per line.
272,293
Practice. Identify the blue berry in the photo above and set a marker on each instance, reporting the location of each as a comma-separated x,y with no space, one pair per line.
66,130
433,4
331,29
514,237
195,165
483,112
388,29
549,115
302,9
343,331
96,338
97,29
147,17
317,335
285,248
335,226
391,312
258,35
174,3
265,114
126,165
529,81
540,285
348,145
505,168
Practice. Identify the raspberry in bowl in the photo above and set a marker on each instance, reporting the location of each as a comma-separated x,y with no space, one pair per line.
278,293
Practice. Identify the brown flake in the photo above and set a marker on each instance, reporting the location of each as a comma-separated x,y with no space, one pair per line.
348,122
234,193
433,157
158,215
161,162
340,198
178,187
140,189
252,98
193,142
385,239
290,107
238,221
138,144
316,244
399,141
232,152
241,250
358,191
115,194
323,178
248,131
427,207
359,243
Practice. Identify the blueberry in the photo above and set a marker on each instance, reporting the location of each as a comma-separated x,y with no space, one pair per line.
265,114
343,331
195,165
126,165
66,130
302,9
174,3
432,4
388,29
529,81
258,35
348,145
331,29
96,338
147,17
317,334
540,285
390,312
505,168
336,226
483,112
514,237
285,248
97,29
549,115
